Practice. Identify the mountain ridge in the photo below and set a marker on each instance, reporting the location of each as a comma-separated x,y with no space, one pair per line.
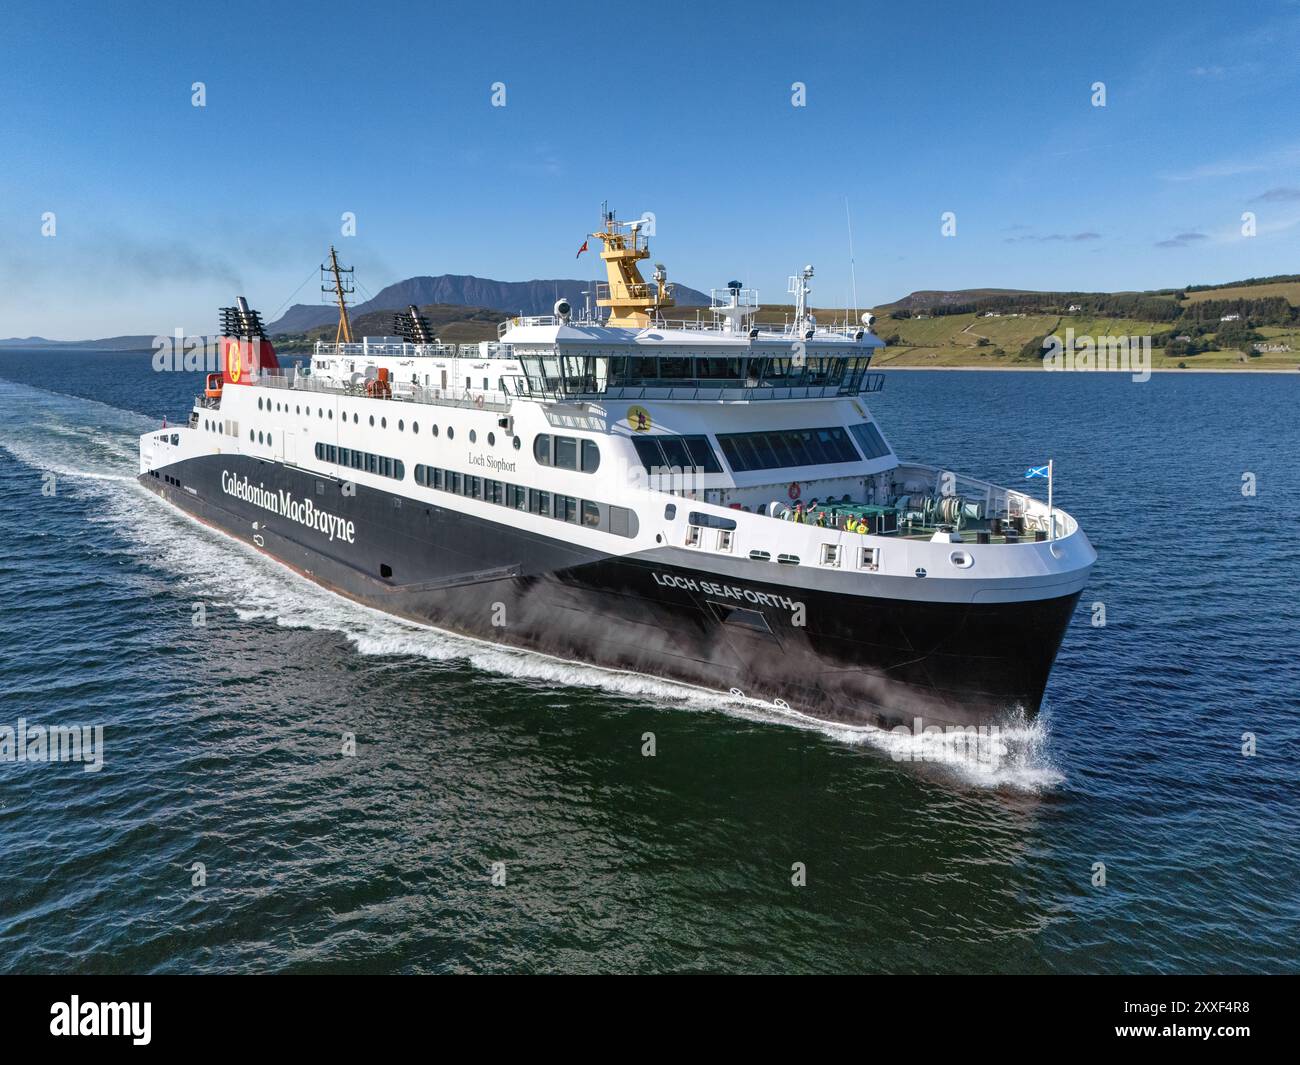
462,290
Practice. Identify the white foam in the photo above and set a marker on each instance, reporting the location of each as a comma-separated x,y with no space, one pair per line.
220,569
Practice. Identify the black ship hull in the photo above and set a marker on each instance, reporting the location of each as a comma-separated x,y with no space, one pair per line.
843,658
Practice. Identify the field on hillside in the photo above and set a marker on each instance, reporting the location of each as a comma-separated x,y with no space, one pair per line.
952,340
1288,290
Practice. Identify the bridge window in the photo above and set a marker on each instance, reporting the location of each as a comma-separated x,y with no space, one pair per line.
787,447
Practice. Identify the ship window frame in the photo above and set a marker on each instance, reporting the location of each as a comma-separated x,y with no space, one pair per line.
565,453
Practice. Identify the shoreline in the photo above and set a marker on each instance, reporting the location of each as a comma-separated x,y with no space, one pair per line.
1039,369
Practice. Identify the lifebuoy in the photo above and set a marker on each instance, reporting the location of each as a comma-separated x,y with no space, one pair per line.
794,490
478,402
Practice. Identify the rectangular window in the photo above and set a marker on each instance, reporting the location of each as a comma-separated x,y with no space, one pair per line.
675,453
590,456
620,521
566,509
647,449
692,536
437,477
473,488
724,539
731,449
539,502
493,492
566,452
517,496
701,453
870,558
869,439
454,482
590,514
830,554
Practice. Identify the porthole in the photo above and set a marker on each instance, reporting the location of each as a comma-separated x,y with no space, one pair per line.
355,417
451,433
297,409
259,402
473,436
517,444
383,423
372,420
268,439
331,415
492,439
259,436
320,413
433,430
250,435
415,428
401,425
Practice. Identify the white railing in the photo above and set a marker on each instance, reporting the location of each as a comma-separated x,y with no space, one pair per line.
408,350
786,331
401,393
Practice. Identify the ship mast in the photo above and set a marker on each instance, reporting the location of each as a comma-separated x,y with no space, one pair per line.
341,287
631,302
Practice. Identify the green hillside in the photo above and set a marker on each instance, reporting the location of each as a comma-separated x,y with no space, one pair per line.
991,328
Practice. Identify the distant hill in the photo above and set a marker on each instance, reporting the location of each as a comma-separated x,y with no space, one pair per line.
451,324
123,343
463,290
926,298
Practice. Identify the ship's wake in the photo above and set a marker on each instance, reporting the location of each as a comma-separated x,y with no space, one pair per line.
92,449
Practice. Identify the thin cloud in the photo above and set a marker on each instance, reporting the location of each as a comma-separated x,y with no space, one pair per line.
1182,240
1054,237
1280,194
1261,161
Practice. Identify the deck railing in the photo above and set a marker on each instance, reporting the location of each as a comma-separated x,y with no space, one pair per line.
401,393
689,391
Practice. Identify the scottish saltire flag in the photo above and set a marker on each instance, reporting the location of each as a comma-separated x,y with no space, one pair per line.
1036,471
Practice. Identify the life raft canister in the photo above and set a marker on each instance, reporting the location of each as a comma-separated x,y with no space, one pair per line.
794,490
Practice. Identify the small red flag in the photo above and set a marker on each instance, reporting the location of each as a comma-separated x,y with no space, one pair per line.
582,249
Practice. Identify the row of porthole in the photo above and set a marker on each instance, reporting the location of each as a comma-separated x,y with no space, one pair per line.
383,423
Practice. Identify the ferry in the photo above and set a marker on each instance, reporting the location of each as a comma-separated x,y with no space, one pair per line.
708,500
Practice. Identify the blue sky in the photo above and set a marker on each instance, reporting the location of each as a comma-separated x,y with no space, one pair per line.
165,210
